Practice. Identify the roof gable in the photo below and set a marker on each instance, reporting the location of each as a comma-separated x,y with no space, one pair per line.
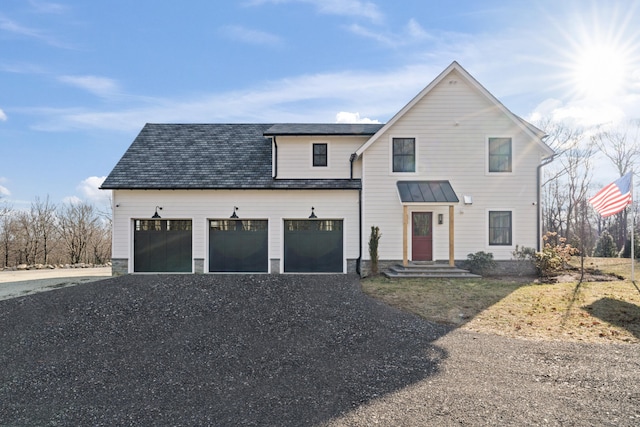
535,133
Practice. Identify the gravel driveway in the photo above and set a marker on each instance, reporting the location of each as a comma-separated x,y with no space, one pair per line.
288,350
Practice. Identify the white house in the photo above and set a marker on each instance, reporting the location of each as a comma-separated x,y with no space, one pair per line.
454,172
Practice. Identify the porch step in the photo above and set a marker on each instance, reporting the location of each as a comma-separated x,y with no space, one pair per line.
427,270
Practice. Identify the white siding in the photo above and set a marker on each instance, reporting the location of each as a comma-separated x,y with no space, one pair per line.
202,205
451,125
295,157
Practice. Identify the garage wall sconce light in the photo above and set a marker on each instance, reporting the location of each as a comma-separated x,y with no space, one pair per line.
155,215
440,218
313,214
234,214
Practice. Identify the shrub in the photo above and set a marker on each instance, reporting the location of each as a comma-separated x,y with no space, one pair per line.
524,254
480,262
626,250
605,247
374,239
555,255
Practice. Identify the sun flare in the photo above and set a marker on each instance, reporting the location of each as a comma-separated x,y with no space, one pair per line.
599,72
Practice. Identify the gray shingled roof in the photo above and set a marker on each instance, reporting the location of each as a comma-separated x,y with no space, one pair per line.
319,129
205,156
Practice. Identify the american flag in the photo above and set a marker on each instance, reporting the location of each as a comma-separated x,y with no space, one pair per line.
614,197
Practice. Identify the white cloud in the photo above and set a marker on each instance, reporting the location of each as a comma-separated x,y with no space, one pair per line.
296,99
247,35
4,191
47,7
13,27
72,200
412,33
3,116
357,8
90,189
346,117
578,113
101,86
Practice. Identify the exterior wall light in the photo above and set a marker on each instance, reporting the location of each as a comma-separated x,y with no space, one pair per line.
234,214
155,215
313,214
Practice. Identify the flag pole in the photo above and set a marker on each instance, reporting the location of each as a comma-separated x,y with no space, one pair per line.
633,229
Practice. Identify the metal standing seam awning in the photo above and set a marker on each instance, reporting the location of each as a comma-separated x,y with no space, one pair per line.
437,192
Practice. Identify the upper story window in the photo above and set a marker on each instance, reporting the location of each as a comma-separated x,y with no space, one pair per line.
500,154
320,154
500,228
404,154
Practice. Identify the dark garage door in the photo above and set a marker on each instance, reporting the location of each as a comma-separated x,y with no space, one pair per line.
162,246
239,246
313,246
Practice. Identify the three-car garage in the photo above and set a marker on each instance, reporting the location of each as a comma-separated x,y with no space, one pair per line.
239,246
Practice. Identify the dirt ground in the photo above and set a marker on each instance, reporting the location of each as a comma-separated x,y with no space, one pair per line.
25,282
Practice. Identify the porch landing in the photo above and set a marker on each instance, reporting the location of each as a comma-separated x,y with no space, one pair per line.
427,269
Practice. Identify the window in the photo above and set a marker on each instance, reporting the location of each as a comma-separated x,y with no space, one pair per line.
500,228
319,154
500,154
404,154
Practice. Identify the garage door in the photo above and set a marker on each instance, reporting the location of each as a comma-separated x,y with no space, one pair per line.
239,246
162,246
313,246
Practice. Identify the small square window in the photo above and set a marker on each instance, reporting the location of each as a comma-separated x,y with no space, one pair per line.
500,228
404,154
319,154
500,154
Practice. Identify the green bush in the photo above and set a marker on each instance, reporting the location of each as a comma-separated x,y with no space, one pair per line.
480,262
626,251
606,247
524,254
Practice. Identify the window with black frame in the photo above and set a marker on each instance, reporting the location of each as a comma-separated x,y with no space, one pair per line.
500,155
404,154
320,155
500,228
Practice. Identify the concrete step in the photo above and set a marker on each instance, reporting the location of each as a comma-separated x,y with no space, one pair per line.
427,270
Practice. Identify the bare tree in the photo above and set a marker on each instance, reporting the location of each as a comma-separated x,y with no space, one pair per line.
43,215
77,225
566,181
621,145
576,163
6,232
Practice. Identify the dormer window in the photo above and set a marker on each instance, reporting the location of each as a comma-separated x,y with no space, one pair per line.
320,155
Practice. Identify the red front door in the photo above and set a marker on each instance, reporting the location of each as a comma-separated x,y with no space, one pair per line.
422,236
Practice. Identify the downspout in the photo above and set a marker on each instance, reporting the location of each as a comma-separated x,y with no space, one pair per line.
275,158
538,197
353,157
359,261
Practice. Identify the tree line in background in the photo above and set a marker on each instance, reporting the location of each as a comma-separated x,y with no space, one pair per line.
47,234
568,183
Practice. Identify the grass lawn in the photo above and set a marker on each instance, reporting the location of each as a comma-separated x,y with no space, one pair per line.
604,311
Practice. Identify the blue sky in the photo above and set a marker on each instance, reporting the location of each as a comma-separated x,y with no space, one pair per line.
79,79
